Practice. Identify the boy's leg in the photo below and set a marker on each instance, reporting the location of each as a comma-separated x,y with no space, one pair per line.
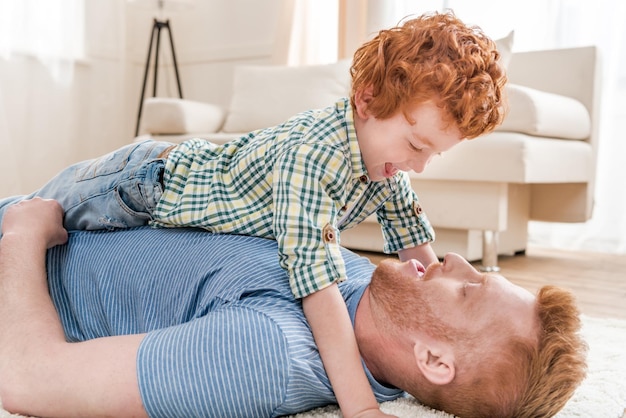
117,190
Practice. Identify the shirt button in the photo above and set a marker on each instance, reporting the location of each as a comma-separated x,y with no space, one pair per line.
364,179
417,209
329,235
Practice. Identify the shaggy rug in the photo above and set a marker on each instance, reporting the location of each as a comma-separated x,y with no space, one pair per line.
602,394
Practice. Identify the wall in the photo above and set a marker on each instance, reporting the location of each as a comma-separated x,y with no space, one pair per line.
45,124
210,39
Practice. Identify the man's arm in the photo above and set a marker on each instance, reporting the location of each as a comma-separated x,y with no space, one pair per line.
41,373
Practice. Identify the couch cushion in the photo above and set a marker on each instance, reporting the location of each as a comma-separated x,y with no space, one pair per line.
173,116
540,113
514,158
505,48
265,96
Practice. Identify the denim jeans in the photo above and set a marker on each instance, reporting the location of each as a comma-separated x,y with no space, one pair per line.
117,190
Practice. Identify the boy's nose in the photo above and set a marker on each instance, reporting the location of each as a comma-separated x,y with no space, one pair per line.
418,168
418,165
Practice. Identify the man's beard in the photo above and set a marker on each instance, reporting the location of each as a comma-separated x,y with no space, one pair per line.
405,307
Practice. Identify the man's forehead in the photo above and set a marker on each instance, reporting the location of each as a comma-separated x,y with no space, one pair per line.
513,288
522,306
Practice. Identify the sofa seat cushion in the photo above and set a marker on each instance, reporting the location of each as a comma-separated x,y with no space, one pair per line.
514,158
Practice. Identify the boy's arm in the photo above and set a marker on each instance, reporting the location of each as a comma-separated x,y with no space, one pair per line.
424,253
406,228
328,317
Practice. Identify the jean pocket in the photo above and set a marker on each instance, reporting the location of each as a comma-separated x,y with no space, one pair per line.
138,198
108,164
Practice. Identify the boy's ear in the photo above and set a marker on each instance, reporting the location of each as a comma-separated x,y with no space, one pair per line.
361,101
435,360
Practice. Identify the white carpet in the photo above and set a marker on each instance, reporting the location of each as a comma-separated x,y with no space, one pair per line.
602,394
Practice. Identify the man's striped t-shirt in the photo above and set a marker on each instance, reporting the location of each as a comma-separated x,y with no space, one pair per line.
225,335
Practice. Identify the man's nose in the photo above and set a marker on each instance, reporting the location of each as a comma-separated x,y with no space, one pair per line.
455,261
460,269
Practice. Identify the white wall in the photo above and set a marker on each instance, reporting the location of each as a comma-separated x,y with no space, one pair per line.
46,125
210,39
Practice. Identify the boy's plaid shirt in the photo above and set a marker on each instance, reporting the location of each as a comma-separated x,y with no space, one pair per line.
293,183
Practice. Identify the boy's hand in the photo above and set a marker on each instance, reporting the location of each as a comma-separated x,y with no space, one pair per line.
39,220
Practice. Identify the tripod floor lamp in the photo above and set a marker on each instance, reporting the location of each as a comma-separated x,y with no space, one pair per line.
157,27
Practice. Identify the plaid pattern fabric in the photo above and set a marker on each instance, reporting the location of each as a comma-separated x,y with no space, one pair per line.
291,183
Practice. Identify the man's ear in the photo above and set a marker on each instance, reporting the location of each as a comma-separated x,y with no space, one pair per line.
361,101
435,360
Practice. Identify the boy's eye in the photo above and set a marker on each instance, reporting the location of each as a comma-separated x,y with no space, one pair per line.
414,148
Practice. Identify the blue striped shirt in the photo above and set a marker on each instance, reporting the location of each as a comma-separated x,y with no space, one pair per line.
225,335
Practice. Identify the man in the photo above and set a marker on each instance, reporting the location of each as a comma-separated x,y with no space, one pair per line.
222,337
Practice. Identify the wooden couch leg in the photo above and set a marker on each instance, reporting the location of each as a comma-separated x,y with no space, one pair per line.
490,252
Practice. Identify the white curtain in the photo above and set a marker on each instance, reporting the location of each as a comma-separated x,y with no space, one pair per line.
40,40
49,30
307,32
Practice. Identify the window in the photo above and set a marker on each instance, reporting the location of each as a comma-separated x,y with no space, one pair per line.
46,29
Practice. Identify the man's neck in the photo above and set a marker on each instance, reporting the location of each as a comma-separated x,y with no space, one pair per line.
378,348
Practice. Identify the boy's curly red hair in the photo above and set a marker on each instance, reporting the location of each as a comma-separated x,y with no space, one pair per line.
433,57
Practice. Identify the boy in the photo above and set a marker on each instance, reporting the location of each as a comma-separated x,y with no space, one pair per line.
417,90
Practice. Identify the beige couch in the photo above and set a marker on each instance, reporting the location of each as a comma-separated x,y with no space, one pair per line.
539,165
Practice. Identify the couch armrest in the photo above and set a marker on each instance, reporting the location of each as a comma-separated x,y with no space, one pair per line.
173,116
575,73
540,113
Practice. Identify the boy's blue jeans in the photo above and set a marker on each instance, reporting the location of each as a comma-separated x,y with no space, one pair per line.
117,190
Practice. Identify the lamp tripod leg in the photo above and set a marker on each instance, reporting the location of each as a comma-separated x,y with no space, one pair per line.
145,75
169,31
156,33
